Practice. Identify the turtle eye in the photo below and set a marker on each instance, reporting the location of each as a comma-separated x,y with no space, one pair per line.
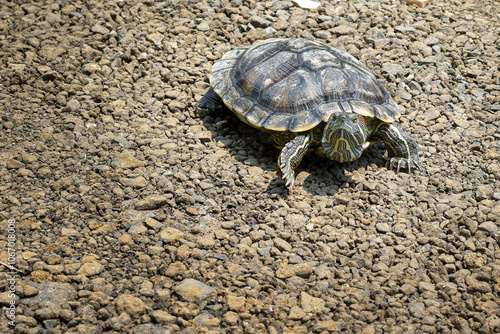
355,119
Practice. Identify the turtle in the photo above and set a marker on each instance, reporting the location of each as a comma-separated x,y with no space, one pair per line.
307,96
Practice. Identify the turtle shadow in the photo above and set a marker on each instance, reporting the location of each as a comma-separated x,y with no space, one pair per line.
324,177
249,146
246,144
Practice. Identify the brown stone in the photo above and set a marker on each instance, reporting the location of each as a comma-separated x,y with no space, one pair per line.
190,290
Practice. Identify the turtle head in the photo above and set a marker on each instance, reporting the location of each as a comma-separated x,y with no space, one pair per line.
344,137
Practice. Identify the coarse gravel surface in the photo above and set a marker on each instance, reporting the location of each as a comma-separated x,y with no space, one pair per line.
133,213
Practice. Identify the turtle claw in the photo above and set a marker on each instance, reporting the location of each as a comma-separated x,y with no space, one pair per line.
398,163
287,173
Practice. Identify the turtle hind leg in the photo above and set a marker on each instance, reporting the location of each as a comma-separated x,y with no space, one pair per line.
291,156
211,103
401,147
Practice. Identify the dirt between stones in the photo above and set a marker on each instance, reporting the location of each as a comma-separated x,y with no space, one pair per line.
133,214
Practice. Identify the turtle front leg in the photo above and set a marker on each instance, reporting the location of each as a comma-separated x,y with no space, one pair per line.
401,147
211,103
292,155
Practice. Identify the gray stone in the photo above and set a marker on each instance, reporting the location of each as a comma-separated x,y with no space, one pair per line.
259,22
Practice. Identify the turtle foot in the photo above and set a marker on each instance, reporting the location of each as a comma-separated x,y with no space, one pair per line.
291,156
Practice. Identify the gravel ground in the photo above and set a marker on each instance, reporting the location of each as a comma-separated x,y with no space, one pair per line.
134,214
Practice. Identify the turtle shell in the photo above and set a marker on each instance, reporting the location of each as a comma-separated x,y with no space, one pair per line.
295,84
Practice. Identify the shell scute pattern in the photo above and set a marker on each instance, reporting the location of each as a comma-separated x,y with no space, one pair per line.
256,54
295,84
259,81
296,92
316,59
